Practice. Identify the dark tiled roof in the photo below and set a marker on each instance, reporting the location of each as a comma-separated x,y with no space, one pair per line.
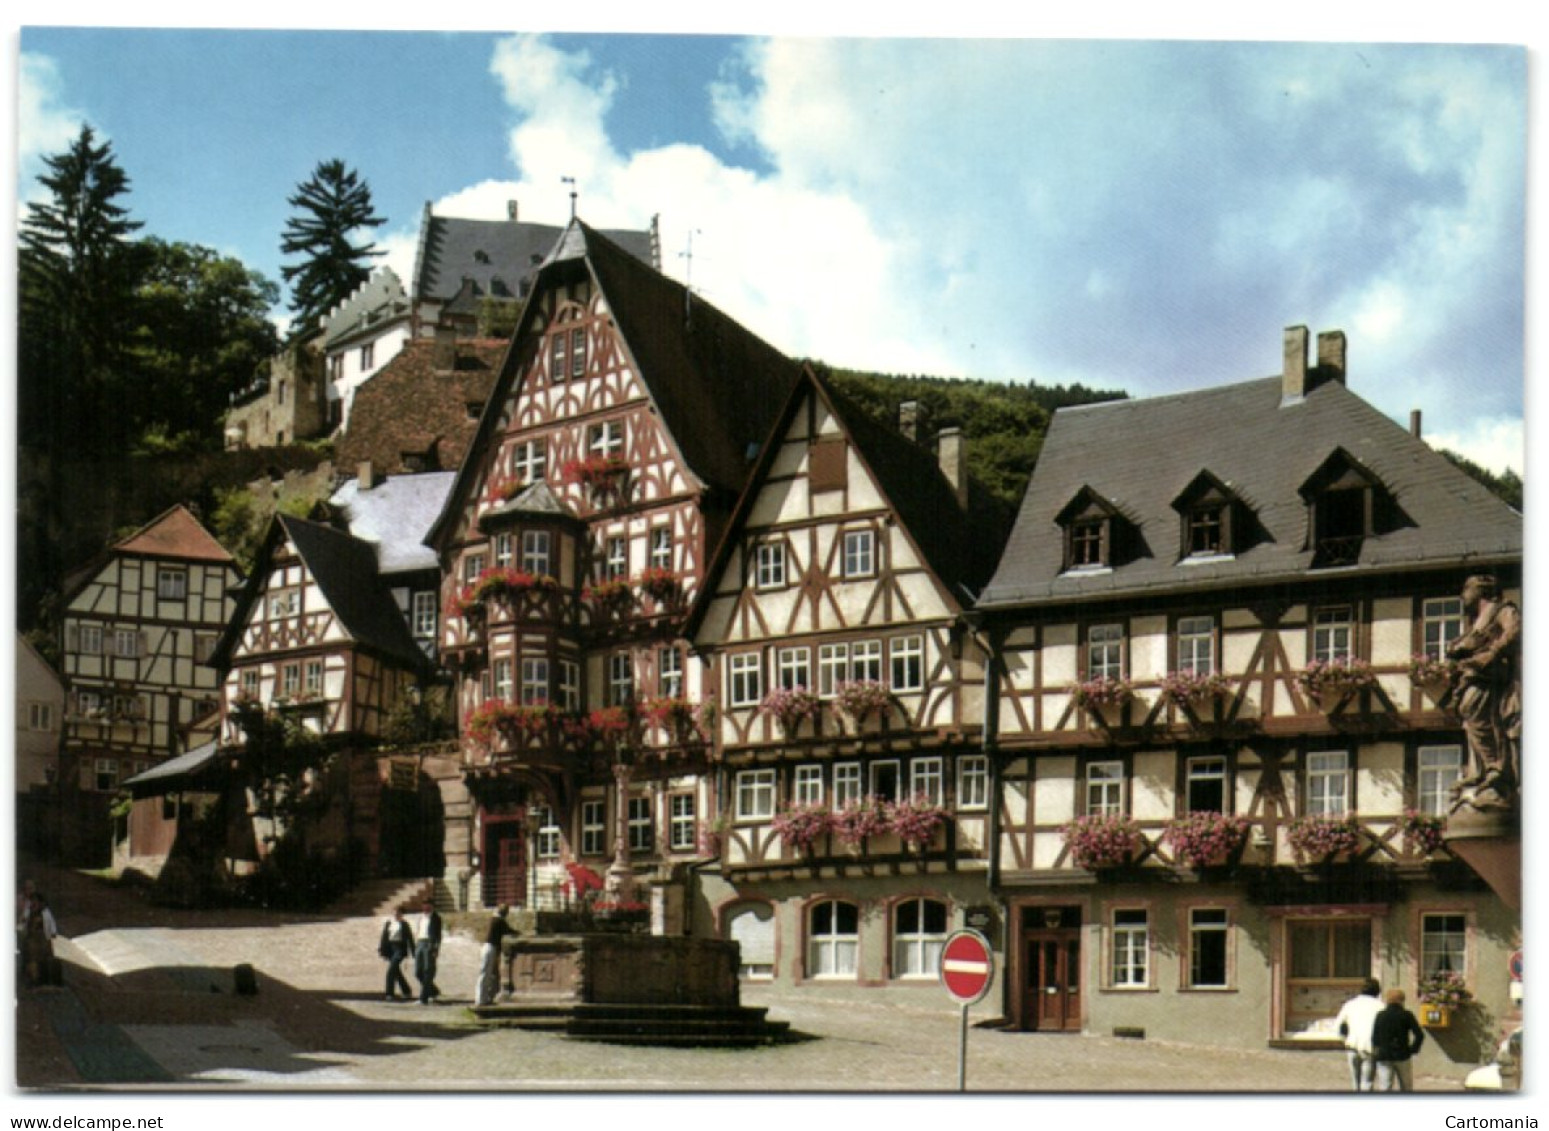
411,405
536,499
200,764
495,255
1139,455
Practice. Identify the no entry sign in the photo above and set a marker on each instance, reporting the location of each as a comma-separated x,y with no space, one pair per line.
967,966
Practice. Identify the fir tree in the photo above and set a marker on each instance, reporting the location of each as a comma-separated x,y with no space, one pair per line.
332,206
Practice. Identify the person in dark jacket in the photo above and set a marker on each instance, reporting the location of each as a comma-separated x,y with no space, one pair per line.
489,958
426,951
1396,1037
396,944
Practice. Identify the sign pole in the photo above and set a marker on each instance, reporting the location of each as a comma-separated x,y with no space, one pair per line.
967,968
962,1051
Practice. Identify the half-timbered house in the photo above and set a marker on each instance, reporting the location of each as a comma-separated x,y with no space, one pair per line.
1223,765
855,794
617,439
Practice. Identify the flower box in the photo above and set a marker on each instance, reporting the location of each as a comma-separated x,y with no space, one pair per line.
602,475
1099,843
677,716
789,706
1444,992
611,595
504,584
801,826
1424,834
1330,682
1102,693
1206,839
862,700
916,820
1323,839
1191,689
860,820
661,585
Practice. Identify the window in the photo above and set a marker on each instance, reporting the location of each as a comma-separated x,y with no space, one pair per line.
1208,928
793,668
1196,645
594,829
126,643
615,558
669,673
605,439
40,716
1440,767
290,681
548,834
1332,634
661,547
279,393
808,786
621,680
681,827
570,685
312,681
1328,784
859,553
473,565
87,703
752,928
926,780
250,683
529,461
91,639
107,774
1207,530
1443,944
833,939
884,780
535,552
833,668
769,565
284,603
747,683
1441,623
847,783
866,661
973,782
641,837
502,685
367,355
535,681
128,707
1330,949
204,645
578,352
1205,787
171,584
907,656
1131,948
1105,651
755,795
424,615
504,546
1105,789
919,933
559,344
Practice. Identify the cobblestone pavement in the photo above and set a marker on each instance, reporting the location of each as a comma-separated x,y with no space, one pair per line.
149,1004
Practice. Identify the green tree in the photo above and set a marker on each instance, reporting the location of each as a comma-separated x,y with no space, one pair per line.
78,268
204,334
333,205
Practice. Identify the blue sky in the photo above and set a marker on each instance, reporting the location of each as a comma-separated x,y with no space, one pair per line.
1123,213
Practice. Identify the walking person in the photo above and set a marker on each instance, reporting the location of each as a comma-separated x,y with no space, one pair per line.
489,958
396,944
1396,1037
1356,1018
39,933
426,952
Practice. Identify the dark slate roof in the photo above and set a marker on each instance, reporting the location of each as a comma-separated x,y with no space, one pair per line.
345,569
495,255
394,515
1140,454
536,499
717,386
177,773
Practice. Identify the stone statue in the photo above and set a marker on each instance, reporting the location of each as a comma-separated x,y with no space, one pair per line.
1488,695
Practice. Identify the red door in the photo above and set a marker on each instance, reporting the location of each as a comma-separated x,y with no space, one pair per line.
505,863
1052,995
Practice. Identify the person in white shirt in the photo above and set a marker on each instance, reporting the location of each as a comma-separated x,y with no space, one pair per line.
1356,1019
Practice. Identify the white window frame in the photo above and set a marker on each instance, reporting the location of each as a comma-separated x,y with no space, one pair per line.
290,680
473,565
577,352
1130,948
669,673
621,679
502,685
836,952
793,668
1196,645
1333,633
847,784
105,776
661,547
1209,921
682,822
1436,769
605,439
744,679
171,583
755,795
1105,788
807,785
530,460
906,663
1328,783
1105,651
615,563
424,613
40,716
537,546
927,778
504,547
917,952
769,565
250,682
126,643
534,684
1206,768
548,833
866,661
594,827
570,685
89,638
642,834
1443,942
833,668
877,774
973,782
860,553
312,677
1441,622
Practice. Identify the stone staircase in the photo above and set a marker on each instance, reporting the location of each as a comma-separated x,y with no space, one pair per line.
671,1026
377,898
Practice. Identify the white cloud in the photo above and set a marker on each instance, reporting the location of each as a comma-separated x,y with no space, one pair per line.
1496,444
45,126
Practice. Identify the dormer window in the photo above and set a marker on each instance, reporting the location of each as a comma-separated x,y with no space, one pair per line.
1346,504
1098,535
1213,520
1207,530
1086,543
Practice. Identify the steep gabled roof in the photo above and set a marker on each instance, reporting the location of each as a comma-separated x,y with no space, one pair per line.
175,533
959,546
345,569
1138,452
716,385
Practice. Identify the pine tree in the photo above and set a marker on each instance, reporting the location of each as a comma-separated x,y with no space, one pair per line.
331,206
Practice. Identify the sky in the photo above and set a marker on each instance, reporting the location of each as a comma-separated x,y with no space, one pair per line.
1124,213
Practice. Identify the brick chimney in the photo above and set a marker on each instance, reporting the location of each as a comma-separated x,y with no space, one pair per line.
1331,357
1293,378
1414,423
511,211
909,419
952,455
365,476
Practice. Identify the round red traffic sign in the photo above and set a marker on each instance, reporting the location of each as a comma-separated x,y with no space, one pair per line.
967,966
1516,966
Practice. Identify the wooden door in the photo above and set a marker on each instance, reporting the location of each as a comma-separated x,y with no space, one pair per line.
1052,995
505,863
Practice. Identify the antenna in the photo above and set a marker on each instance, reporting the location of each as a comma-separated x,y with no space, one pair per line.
571,182
688,276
